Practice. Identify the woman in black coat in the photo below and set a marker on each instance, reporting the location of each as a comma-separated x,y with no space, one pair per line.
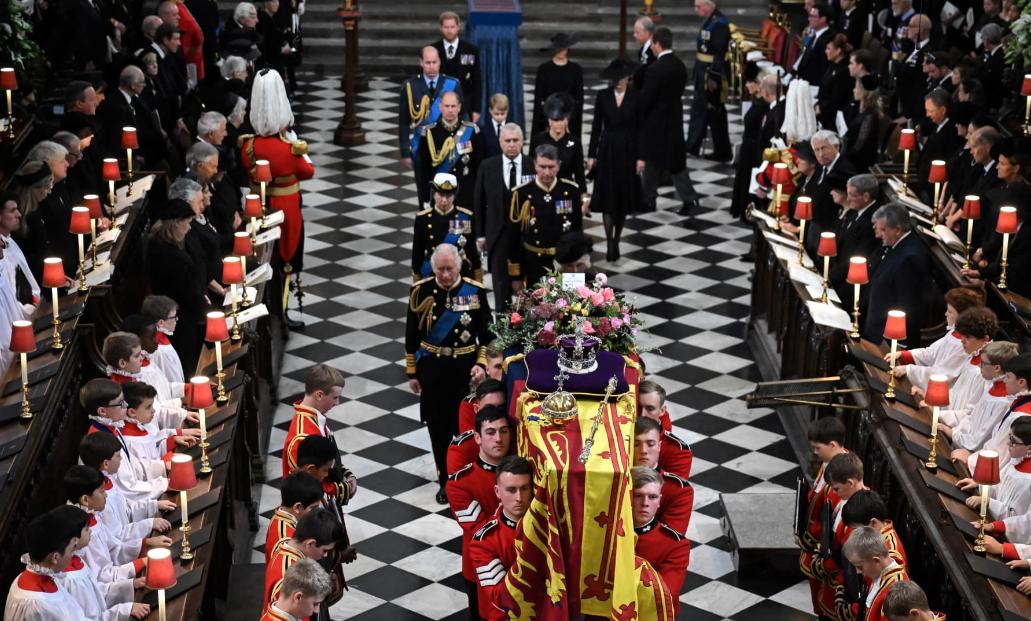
559,75
558,134
836,84
864,131
612,155
750,154
173,272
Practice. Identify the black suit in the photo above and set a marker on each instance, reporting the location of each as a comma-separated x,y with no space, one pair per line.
491,202
899,282
661,132
854,25
173,272
418,87
772,123
84,34
825,210
941,144
813,61
464,65
115,113
835,93
909,85
855,239
489,135
991,68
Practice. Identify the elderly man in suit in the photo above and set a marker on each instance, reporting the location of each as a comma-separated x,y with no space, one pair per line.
492,197
662,147
854,231
899,282
644,29
125,108
827,147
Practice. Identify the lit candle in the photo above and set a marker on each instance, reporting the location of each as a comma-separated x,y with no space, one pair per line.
182,506
24,369
218,355
203,427
55,309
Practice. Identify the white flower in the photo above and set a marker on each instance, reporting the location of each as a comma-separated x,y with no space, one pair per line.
600,280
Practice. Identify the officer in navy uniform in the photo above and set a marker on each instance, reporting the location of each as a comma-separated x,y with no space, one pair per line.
446,336
452,146
444,223
708,104
460,59
541,211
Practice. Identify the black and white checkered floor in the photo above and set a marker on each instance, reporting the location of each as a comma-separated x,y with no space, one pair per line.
687,279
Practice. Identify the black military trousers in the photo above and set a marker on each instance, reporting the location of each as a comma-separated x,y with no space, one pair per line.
705,117
444,381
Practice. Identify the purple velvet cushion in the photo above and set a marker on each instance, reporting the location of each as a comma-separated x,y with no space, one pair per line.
542,367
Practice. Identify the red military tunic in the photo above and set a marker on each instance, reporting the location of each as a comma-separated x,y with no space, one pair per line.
467,414
305,423
282,558
819,495
895,549
462,450
492,552
677,502
275,614
280,528
470,492
290,165
891,575
831,571
675,455
668,552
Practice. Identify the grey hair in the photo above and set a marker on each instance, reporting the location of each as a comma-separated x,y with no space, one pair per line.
199,152
987,135
46,151
646,23
242,10
209,122
183,189
308,577
769,83
130,77
894,215
547,151
827,136
445,249
150,25
865,184
239,113
992,33
642,476
865,543
512,127
939,97
68,140
231,65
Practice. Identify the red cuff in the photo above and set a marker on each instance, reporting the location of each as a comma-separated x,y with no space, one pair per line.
1009,552
143,548
998,527
167,457
179,431
906,357
138,566
329,488
35,300
169,444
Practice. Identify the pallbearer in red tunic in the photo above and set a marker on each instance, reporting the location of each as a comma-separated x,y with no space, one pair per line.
300,494
906,601
675,454
271,118
322,389
866,550
301,591
34,594
315,536
866,508
677,493
667,550
489,392
844,473
492,550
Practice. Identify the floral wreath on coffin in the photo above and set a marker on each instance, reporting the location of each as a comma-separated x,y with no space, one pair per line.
540,314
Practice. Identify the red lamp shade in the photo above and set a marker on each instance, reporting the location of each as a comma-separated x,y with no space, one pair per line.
252,206
200,393
242,244
129,138
9,79
937,391
828,245
986,471
53,272
232,271
937,174
1007,220
804,208
23,337
216,328
182,477
895,326
907,140
262,171
972,207
1025,88
160,570
110,171
857,273
92,202
781,174
80,221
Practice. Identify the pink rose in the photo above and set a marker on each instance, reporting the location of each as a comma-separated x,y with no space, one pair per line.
583,292
515,319
561,303
597,299
626,318
588,328
549,327
616,323
540,293
608,294
545,338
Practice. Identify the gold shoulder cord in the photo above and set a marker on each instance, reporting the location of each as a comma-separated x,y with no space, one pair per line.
519,215
416,118
436,157
423,309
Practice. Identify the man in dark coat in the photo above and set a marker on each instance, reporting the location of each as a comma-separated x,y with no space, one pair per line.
812,62
854,232
460,59
941,139
495,179
899,281
853,21
662,147
123,107
827,147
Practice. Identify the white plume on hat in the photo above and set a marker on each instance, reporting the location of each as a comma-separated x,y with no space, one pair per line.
270,106
799,114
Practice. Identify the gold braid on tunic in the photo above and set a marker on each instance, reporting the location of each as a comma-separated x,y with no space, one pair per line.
436,157
519,215
424,107
424,310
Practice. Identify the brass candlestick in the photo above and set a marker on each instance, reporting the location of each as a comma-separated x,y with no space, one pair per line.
26,411
1005,257
245,301
220,375
205,465
890,393
236,319
57,344
970,241
932,455
801,239
855,313
264,208
775,208
82,265
93,242
826,273
905,172
128,169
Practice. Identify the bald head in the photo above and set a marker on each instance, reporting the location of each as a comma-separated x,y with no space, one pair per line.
429,60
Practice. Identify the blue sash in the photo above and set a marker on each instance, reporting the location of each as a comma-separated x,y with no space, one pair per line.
446,322
449,84
1017,403
426,270
453,157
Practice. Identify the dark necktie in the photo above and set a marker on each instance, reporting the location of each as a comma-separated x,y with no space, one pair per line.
848,220
511,174
497,127
433,85
450,51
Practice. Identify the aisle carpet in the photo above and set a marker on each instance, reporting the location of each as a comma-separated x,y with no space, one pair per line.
685,275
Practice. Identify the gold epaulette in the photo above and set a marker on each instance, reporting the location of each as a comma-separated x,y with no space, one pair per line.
423,212
242,138
570,182
419,282
299,147
473,282
464,210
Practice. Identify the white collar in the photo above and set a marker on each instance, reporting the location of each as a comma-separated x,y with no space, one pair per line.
940,125
454,43
663,53
861,211
283,612
115,424
816,35
647,45
988,166
128,96
899,240
160,50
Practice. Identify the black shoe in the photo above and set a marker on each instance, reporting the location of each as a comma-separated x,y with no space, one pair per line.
687,208
295,325
442,496
722,158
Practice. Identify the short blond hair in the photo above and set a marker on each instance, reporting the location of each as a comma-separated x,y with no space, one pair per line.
499,101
